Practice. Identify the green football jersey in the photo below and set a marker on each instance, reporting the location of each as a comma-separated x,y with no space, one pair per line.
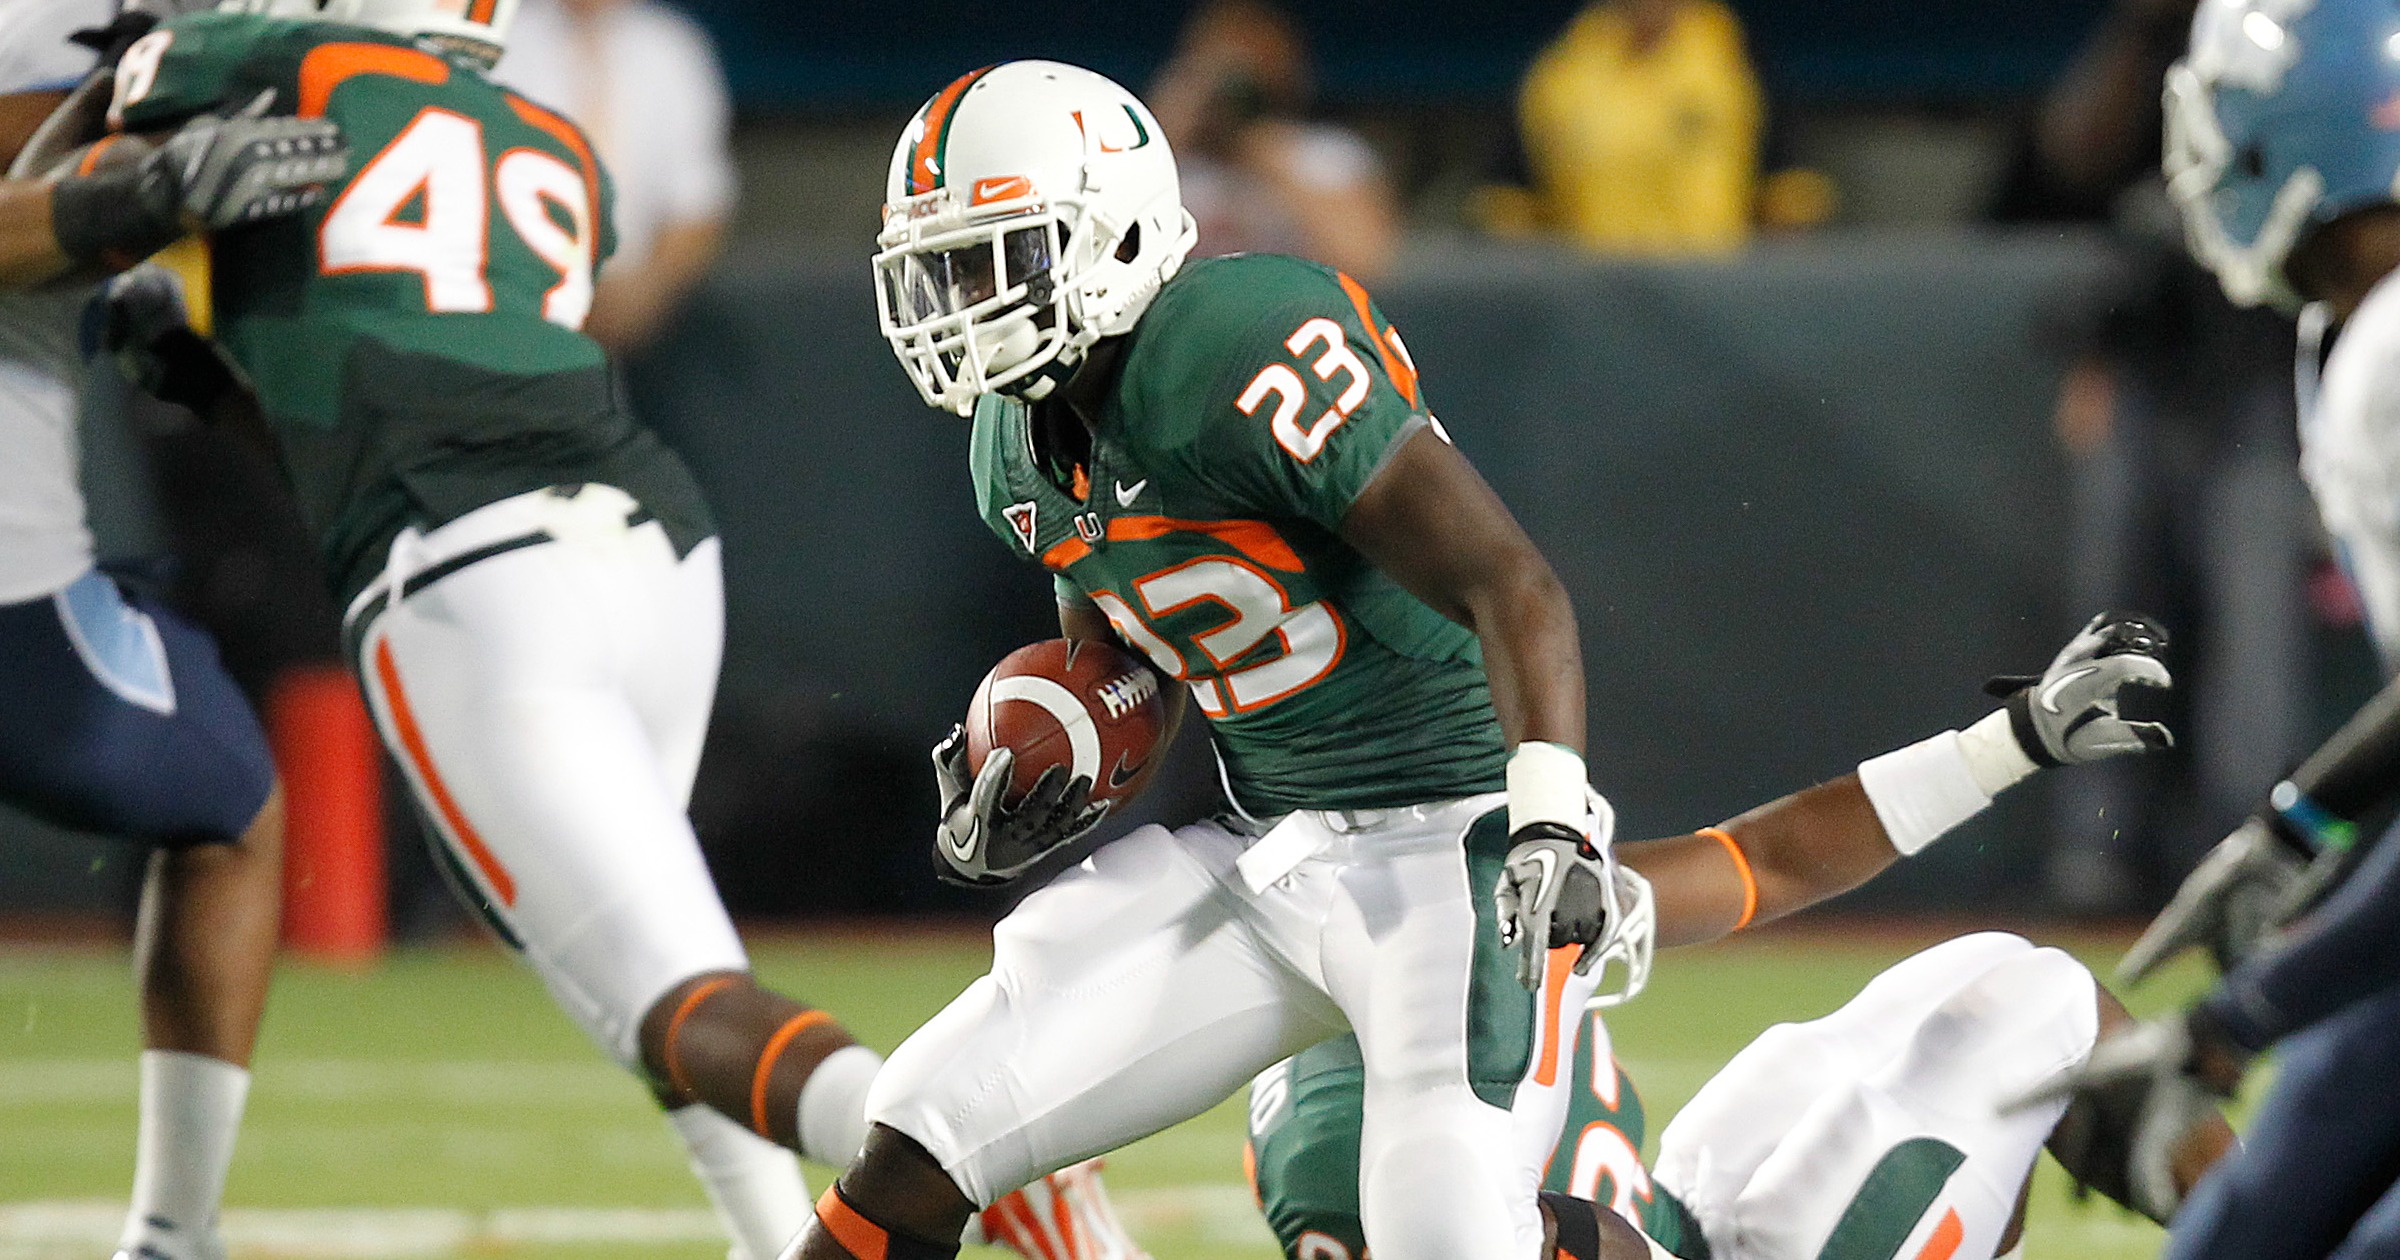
1256,399
1305,1119
414,339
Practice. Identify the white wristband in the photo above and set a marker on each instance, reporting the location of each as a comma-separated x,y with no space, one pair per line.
1547,783
1993,753
1922,790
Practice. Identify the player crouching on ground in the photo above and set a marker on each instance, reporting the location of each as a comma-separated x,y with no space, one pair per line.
1887,1126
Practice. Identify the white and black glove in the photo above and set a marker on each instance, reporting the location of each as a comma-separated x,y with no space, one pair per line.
2132,1103
2248,886
984,842
2070,714
212,174
1558,888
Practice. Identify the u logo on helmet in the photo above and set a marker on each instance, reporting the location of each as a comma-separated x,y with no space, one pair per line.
1140,135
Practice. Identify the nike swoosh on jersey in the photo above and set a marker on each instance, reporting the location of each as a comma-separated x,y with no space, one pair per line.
2050,692
1127,494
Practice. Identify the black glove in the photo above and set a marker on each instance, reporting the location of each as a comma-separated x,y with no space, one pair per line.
984,843
2132,1102
148,335
213,174
1553,892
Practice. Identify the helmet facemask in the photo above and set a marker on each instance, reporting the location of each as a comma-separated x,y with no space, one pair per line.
2198,159
969,298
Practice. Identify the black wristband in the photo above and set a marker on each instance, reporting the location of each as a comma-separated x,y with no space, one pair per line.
2020,724
112,217
1576,1223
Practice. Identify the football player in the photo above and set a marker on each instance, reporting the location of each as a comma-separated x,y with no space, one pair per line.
530,577
2282,153
115,715
1231,468
1880,1130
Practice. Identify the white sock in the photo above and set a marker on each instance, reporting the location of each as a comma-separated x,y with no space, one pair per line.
191,1112
833,1105
754,1184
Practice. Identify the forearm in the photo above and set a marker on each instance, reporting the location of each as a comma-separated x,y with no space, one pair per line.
1531,655
29,251
1782,857
2346,951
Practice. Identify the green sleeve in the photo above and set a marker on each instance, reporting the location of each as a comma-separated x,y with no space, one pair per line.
1303,387
191,65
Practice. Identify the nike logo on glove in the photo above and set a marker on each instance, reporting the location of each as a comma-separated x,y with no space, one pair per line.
1549,865
2050,693
964,848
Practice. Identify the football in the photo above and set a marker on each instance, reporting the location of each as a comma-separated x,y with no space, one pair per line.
1088,706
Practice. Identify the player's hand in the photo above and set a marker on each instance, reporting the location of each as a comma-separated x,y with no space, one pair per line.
212,174
2244,889
148,334
984,842
2069,715
2134,1102
1553,892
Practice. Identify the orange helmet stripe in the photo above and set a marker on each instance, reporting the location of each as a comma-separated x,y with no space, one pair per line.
925,161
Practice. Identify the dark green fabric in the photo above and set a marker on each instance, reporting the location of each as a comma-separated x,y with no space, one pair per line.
1894,1197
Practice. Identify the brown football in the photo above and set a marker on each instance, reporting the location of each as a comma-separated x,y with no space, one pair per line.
1088,706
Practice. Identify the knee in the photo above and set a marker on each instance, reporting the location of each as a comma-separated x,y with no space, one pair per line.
665,1025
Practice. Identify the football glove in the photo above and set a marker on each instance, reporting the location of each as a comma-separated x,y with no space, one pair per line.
1559,888
2069,714
148,335
984,842
2132,1103
212,174
2244,889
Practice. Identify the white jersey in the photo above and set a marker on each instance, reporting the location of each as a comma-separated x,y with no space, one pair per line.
2350,451
44,544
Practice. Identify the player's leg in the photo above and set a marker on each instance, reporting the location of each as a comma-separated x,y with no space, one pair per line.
2320,1151
507,689
1898,1139
1449,1039
116,716
1125,996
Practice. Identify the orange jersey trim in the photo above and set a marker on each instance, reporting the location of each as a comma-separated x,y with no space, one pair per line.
766,1066
328,66
1395,364
1255,539
859,1236
412,741
683,1011
570,135
1741,867
1554,998
1946,1237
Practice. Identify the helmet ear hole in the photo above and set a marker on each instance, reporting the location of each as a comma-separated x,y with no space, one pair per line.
1131,247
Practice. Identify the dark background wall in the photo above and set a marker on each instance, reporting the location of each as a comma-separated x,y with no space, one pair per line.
1805,501
782,54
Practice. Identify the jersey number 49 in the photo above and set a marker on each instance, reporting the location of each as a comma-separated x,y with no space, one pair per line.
423,204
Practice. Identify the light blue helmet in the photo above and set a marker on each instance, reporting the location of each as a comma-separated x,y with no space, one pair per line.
2284,116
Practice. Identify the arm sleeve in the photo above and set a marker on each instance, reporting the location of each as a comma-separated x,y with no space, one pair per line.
183,68
702,188
2346,951
34,53
1320,396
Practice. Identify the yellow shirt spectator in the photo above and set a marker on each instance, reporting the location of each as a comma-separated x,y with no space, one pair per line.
1641,122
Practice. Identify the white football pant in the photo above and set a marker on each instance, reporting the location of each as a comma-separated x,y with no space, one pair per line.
1151,982
1775,1153
547,704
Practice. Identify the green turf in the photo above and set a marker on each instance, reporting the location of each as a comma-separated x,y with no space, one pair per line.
444,1078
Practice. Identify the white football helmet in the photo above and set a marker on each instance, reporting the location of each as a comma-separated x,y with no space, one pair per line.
1032,209
478,27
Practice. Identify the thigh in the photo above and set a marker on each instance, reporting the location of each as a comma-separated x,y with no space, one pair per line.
1836,1147
1125,996
2322,1148
116,716
672,670
499,691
